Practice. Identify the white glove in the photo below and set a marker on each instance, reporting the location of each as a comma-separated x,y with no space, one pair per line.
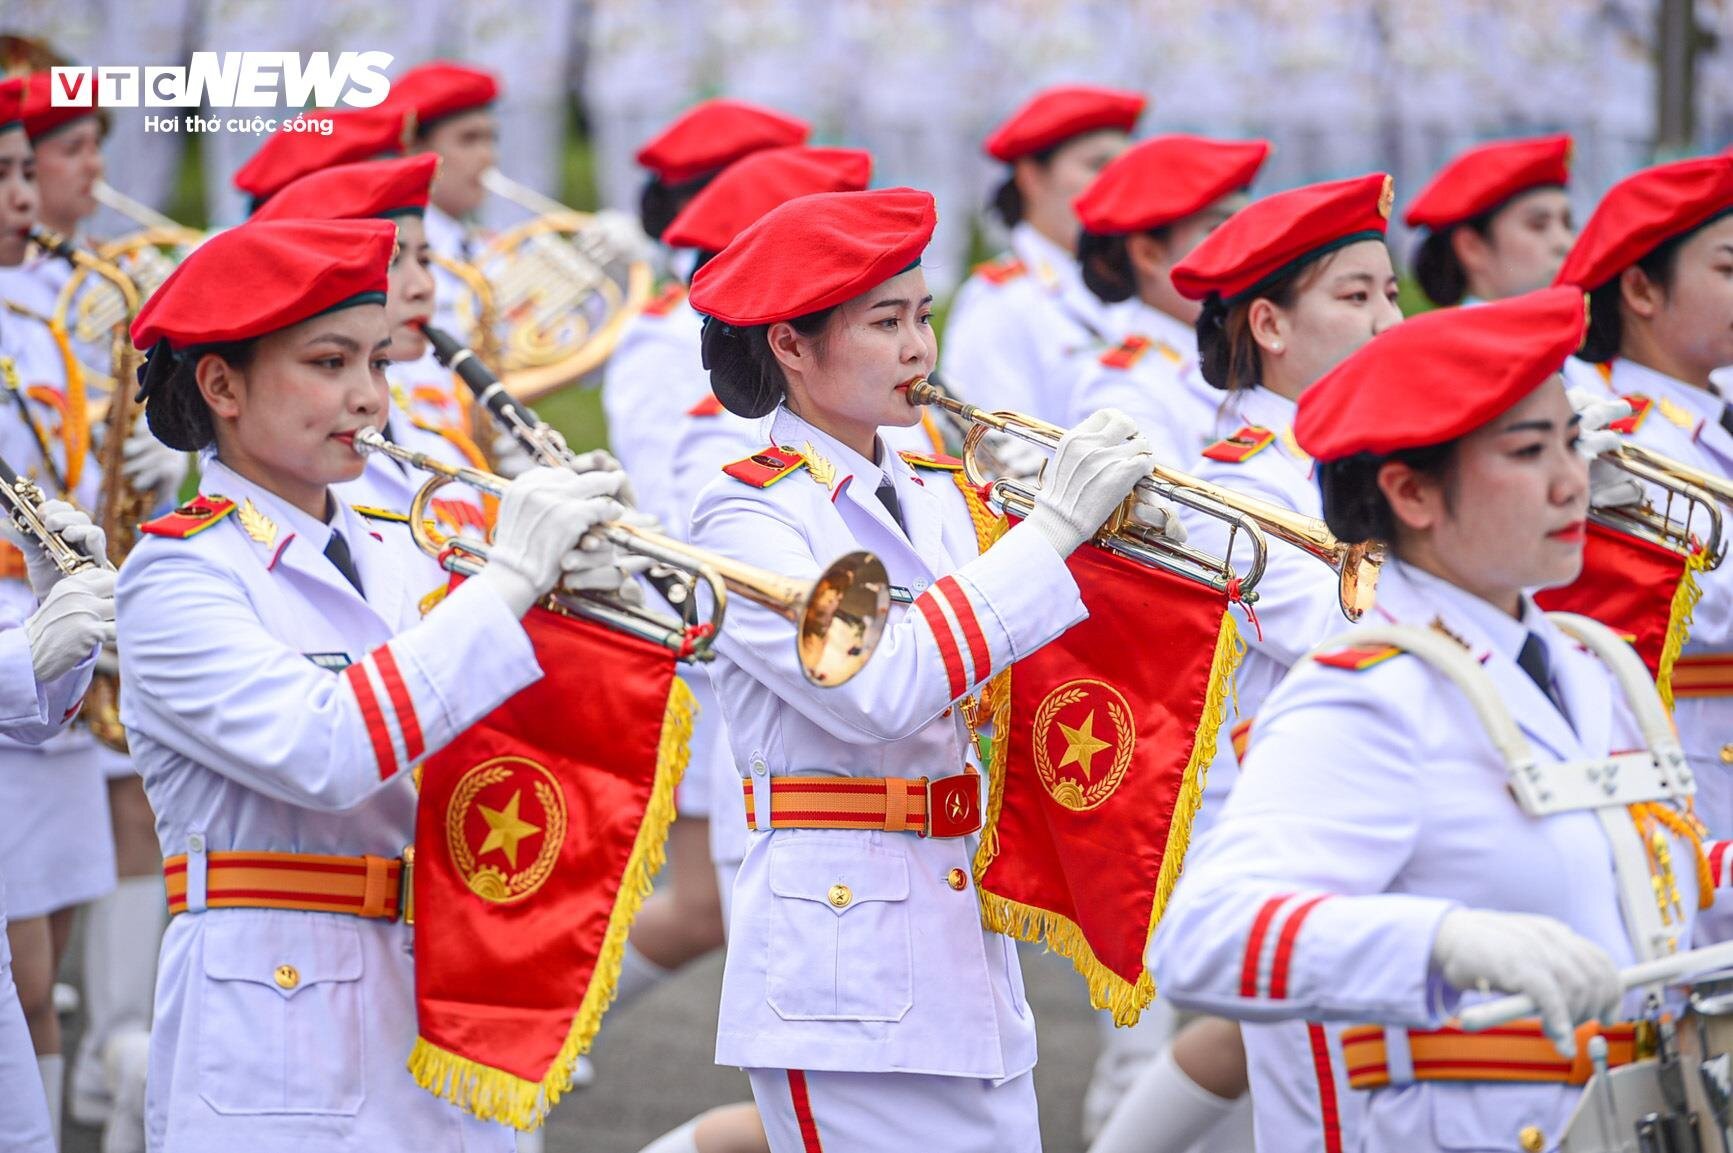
75,617
1161,515
542,519
148,463
508,457
622,234
1570,978
1609,485
1016,458
73,526
1092,472
601,460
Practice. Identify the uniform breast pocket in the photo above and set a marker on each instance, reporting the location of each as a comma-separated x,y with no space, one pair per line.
841,946
280,1015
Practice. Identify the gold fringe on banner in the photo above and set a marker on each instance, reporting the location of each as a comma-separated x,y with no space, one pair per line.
1107,989
1685,599
495,1095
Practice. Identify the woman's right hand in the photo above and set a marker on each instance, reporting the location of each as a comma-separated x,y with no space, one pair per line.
539,537
73,526
1093,470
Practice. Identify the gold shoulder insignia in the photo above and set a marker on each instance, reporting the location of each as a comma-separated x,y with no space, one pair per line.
818,467
765,467
1438,626
1242,445
372,513
937,461
1676,413
191,518
256,524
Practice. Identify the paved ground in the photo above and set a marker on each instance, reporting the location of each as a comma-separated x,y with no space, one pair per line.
654,1066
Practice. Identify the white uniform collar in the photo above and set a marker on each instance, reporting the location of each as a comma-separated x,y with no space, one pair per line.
446,235
1050,264
218,479
1263,407
1409,592
1629,377
791,431
1133,316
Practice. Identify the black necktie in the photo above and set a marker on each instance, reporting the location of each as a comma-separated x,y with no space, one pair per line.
1533,661
887,495
337,552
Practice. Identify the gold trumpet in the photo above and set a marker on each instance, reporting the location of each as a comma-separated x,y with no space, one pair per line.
1355,564
1664,526
838,618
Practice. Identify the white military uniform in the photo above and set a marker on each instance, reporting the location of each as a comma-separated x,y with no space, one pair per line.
30,713
1152,376
858,957
1372,804
1015,326
272,708
1685,424
53,792
452,239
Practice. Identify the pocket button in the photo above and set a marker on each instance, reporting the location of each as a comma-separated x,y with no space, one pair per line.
287,976
957,879
840,896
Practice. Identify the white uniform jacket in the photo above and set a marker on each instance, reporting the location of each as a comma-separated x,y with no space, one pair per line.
903,979
1373,803
1685,424
653,378
1016,325
1151,375
454,240
31,711
273,708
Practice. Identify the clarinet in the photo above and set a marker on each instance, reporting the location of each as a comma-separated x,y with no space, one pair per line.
21,500
541,440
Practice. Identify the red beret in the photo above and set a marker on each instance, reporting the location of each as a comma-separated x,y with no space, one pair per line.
356,191
814,252
253,280
356,134
1165,179
1275,234
715,134
1055,115
1441,375
1642,211
442,88
11,103
1483,178
749,188
41,116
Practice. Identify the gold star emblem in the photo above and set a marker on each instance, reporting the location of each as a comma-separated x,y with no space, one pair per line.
1081,745
505,829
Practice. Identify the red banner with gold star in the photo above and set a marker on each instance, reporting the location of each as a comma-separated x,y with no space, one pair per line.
1101,742
537,835
1638,589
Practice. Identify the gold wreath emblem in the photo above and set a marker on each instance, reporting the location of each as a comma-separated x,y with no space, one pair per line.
501,808
1078,781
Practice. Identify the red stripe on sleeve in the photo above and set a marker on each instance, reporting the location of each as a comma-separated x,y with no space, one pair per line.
935,617
809,1141
413,745
1285,947
965,614
1329,1116
374,717
1255,945
1717,860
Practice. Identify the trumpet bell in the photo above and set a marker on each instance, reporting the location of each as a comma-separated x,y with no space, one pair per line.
842,618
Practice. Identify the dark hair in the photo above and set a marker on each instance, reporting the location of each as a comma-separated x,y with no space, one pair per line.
1227,353
1606,327
174,408
1441,275
744,373
1007,200
659,203
1106,263
1355,508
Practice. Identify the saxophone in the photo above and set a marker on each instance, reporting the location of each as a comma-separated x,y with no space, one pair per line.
120,507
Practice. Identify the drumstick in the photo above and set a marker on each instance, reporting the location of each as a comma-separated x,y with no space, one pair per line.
1663,971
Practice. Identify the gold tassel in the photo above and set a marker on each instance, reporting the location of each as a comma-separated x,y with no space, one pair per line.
75,428
495,1095
1685,599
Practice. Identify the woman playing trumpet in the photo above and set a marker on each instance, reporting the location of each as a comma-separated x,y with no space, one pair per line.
282,685
861,994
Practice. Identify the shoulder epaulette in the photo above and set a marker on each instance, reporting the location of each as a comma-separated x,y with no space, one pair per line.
766,466
1127,352
372,513
668,300
709,406
1641,406
1242,445
938,461
191,518
1001,270
1357,658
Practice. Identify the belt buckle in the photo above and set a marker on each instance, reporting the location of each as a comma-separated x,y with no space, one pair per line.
953,806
